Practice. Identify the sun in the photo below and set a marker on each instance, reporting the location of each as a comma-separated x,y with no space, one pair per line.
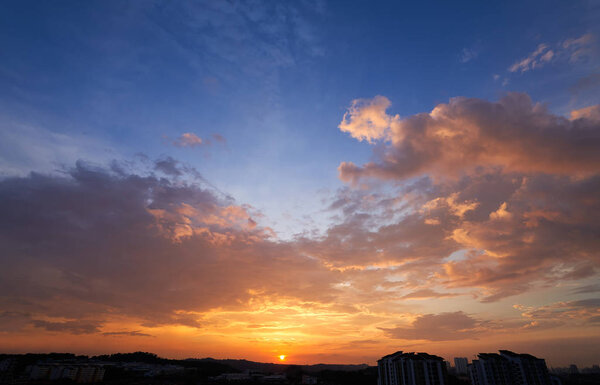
282,357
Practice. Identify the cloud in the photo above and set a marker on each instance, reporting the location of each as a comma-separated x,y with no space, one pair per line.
467,54
587,289
517,236
133,333
572,50
477,208
438,327
427,294
467,134
188,139
26,147
585,83
591,113
578,48
367,120
219,138
537,58
73,327
95,242
168,166
577,313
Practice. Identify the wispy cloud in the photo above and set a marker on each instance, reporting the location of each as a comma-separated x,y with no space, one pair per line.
571,50
537,58
132,333
467,54
189,139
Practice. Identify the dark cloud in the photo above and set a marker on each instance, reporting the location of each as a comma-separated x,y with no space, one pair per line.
132,333
168,166
11,321
219,138
426,294
438,327
587,82
580,312
72,327
95,242
587,289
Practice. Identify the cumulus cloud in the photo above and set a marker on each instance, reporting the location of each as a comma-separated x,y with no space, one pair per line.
96,242
438,327
518,236
489,190
467,134
366,119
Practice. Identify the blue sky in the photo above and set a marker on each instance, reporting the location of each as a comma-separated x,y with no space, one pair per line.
273,78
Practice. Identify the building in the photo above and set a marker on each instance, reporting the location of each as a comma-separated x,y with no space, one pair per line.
508,368
309,380
460,364
75,372
411,369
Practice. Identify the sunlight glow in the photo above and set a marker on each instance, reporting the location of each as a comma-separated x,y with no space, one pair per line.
282,357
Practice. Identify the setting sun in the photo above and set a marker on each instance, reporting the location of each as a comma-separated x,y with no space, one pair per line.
282,357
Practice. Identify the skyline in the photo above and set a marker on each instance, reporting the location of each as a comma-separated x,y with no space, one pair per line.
320,180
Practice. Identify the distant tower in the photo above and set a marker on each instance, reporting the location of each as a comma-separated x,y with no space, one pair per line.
411,369
508,368
460,363
573,369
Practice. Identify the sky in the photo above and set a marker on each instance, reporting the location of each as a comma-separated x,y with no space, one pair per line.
331,181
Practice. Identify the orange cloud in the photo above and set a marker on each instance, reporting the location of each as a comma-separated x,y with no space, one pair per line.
188,139
591,112
367,119
465,135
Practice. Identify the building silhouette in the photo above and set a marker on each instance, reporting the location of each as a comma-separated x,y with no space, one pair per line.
460,364
411,369
508,368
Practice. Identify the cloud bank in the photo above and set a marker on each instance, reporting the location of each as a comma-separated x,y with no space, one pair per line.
509,186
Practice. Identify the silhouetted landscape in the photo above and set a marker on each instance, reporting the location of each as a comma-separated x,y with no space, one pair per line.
147,368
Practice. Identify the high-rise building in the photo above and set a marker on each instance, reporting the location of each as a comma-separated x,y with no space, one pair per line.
573,369
412,369
460,364
508,368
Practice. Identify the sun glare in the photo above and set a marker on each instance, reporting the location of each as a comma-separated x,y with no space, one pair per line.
282,357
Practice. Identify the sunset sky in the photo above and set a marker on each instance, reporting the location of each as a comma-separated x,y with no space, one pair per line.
327,180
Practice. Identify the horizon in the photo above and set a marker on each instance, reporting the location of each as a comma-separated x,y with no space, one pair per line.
321,180
449,360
